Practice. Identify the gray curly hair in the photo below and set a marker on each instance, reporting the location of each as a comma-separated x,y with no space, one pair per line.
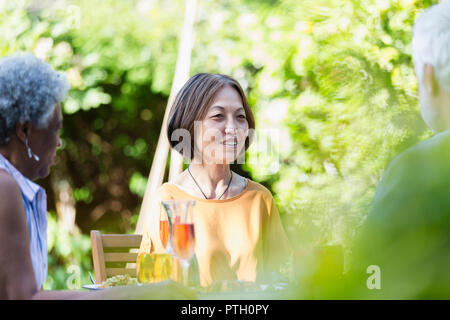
29,91
431,43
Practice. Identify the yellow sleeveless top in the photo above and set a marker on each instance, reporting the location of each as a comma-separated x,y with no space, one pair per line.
240,238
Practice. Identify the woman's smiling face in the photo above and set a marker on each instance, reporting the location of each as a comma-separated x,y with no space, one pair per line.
223,129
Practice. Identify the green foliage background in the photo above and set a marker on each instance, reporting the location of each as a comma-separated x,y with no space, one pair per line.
333,79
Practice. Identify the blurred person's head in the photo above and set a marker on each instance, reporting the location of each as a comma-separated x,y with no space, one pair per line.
30,112
431,53
214,114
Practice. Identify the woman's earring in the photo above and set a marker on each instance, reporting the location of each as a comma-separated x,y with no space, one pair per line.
30,153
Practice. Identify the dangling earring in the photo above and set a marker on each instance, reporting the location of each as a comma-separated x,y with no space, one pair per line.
30,153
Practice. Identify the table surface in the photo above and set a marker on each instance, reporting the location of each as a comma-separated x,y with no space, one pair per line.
262,295
254,294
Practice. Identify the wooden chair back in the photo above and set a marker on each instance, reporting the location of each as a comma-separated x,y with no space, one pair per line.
114,254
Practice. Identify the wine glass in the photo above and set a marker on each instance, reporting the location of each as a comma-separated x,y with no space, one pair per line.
165,229
181,240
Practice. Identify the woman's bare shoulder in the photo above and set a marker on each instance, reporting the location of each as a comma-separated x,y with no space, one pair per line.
17,271
7,182
10,210
259,187
9,189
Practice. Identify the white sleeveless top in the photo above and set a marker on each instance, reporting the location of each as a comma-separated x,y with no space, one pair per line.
35,204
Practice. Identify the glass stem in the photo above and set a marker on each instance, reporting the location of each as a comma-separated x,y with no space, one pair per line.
185,272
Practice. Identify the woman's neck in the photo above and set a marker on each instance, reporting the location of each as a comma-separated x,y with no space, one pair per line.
211,178
15,155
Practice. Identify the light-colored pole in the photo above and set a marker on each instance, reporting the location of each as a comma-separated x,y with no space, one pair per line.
180,77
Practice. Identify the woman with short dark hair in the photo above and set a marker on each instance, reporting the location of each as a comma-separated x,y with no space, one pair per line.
238,230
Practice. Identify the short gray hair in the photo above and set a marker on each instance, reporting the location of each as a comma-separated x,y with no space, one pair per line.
29,91
431,43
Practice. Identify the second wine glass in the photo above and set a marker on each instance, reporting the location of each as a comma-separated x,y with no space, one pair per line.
181,233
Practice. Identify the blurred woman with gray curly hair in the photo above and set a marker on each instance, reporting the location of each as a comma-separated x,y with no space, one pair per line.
30,120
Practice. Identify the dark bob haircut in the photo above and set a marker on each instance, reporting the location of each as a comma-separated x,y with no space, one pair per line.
193,100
